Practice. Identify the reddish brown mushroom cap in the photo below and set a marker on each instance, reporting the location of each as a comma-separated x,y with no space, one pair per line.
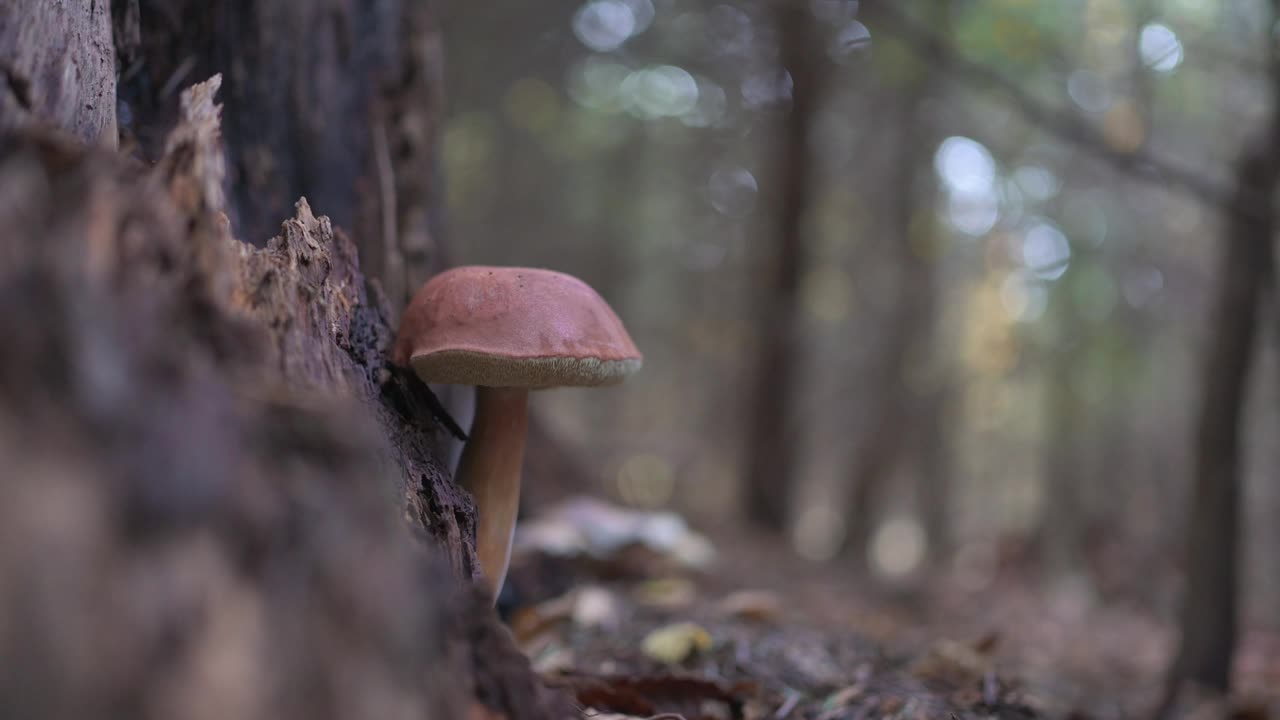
513,327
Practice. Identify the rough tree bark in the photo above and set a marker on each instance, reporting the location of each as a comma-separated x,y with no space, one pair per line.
332,100
770,437
329,100
57,66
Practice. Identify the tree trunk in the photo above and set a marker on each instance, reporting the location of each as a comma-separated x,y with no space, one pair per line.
1209,613
1209,618
220,498
335,101
933,459
1062,515
68,79
771,438
898,418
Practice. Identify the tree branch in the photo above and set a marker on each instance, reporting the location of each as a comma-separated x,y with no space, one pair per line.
1063,124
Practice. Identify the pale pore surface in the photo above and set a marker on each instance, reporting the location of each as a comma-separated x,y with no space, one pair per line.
465,367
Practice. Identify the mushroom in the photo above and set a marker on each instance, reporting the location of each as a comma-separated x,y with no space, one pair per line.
507,331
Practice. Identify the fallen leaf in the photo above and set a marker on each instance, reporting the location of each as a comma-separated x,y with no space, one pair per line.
596,607
951,663
480,711
530,622
554,657
647,696
754,605
841,699
673,644
668,593
987,644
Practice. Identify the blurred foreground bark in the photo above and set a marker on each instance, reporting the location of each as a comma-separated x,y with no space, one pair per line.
771,440
204,452
220,499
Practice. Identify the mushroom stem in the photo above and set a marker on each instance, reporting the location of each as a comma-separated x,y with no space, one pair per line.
490,470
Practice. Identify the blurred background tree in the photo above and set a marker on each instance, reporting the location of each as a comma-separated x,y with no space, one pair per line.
943,292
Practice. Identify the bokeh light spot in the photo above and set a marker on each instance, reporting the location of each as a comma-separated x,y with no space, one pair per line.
660,91
818,533
1160,48
710,107
965,165
968,171
1046,251
603,25
974,214
730,30
898,547
853,37
732,191
1141,286
765,88
596,83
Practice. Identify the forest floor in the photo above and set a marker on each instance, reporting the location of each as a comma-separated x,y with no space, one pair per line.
633,629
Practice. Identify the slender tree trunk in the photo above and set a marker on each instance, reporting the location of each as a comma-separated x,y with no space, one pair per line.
1209,616
771,438
898,417
1210,608
1062,514
933,454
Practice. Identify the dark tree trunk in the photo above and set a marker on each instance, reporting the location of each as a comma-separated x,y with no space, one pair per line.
1210,608
1209,616
335,101
771,438
898,417
331,101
